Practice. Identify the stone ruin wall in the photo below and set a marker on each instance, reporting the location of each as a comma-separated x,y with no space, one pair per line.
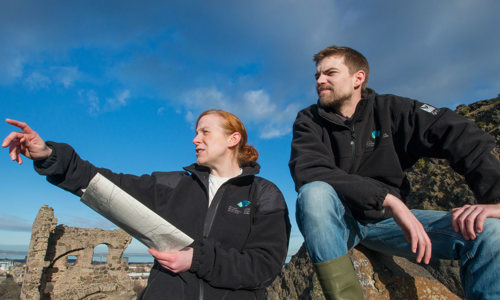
49,275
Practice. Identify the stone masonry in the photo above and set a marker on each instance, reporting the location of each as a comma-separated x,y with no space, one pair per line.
49,274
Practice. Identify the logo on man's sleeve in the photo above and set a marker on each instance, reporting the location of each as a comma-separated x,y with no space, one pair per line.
430,109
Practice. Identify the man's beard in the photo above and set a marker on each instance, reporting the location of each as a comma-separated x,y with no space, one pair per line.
332,101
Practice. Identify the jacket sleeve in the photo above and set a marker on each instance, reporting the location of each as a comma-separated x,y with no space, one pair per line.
311,160
441,133
65,169
260,261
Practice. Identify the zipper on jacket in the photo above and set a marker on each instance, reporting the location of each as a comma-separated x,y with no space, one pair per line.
202,290
211,213
353,146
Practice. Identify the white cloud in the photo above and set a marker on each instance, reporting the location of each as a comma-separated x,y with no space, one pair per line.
258,106
269,133
66,75
190,117
118,101
36,81
275,120
280,121
11,67
95,106
92,100
46,78
253,107
205,98
14,223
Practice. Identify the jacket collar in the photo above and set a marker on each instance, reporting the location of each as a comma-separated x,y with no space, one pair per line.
249,169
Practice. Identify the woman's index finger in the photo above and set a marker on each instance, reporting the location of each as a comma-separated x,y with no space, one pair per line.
21,125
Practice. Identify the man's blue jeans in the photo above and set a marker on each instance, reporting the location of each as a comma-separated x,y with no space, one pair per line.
330,230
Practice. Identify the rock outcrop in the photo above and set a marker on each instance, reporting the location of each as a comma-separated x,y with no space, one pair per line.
381,277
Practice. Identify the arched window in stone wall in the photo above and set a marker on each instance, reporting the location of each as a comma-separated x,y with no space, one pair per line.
100,255
71,260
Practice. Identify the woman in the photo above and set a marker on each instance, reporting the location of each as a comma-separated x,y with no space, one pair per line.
238,221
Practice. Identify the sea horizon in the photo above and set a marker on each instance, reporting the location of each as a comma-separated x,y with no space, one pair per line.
19,255
133,257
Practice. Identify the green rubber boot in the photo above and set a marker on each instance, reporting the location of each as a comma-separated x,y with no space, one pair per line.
338,279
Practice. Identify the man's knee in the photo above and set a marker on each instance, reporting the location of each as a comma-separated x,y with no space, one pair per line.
317,198
316,193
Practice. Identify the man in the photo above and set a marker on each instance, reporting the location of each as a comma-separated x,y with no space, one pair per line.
349,153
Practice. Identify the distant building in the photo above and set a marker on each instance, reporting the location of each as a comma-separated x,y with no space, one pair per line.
5,265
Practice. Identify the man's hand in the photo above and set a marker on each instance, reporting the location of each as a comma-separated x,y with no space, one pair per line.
27,143
411,226
469,219
177,262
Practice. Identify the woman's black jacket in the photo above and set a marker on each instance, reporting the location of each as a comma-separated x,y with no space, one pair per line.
239,247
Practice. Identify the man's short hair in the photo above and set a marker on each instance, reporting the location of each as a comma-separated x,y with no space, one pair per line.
354,60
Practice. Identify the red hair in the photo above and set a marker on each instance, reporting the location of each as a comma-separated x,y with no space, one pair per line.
245,153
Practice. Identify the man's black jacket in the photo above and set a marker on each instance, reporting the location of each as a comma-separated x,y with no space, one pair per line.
366,158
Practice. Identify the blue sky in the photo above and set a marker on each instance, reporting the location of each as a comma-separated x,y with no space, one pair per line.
123,81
